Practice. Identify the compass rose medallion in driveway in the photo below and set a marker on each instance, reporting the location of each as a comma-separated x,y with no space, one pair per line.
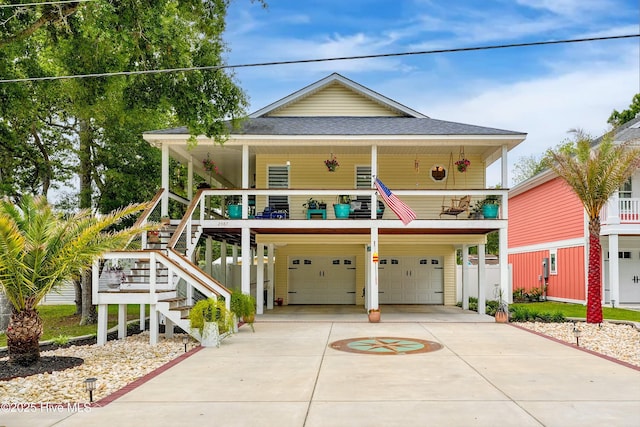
385,345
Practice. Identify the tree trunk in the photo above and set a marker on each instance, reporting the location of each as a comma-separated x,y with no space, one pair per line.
594,285
23,337
89,312
77,286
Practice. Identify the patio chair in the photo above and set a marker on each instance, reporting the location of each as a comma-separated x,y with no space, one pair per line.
457,206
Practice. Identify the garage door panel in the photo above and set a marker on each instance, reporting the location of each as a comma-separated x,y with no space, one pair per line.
322,280
411,280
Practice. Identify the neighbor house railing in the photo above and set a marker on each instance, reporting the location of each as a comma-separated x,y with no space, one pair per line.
621,211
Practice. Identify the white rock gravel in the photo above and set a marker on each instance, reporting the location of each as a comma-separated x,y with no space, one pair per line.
116,364
619,341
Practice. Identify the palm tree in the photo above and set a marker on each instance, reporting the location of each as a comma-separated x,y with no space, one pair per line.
40,249
595,174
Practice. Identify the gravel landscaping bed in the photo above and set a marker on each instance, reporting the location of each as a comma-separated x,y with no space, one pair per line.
116,364
619,341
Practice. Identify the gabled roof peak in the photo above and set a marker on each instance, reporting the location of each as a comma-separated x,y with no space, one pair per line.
348,83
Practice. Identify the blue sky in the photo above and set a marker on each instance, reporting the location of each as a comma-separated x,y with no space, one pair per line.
544,91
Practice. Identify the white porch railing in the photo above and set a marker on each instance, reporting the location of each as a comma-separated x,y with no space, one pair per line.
621,211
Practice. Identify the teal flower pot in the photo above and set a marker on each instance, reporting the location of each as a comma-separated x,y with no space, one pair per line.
490,211
235,211
341,210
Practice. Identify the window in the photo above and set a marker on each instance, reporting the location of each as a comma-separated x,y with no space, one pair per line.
278,177
363,177
625,190
553,261
624,255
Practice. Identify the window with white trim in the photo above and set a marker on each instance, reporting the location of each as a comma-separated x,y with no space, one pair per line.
553,261
625,190
363,177
278,177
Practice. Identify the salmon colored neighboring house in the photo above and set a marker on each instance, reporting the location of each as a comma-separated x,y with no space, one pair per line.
547,221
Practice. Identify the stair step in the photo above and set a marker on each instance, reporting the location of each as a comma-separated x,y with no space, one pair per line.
174,299
181,307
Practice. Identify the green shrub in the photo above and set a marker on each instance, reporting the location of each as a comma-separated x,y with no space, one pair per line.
61,339
535,294
519,295
210,310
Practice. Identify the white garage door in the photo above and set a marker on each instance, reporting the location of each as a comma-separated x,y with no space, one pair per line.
322,280
411,280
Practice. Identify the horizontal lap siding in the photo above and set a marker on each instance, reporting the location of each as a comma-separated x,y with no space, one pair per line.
547,213
336,101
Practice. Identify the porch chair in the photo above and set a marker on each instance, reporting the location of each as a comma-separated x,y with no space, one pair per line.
457,206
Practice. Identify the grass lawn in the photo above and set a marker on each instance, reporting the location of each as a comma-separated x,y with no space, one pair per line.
579,310
59,320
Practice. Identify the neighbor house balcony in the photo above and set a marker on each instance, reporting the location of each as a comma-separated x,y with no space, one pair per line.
621,215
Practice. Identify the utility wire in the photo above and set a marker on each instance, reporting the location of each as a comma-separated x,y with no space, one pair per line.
307,61
2,6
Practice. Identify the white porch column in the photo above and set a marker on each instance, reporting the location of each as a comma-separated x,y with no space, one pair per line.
122,321
143,317
465,277
373,266
482,280
153,325
613,210
614,270
103,313
234,254
270,283
164,203
208,255
190,178
223,261
504,266
246,261
168,328
260,279
504,168
367,276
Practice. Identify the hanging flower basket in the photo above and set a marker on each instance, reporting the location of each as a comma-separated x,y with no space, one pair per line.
462,165
332,164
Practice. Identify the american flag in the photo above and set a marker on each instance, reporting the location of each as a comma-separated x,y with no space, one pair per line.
404,212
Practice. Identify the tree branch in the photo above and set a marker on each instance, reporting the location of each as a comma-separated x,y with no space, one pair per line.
49,17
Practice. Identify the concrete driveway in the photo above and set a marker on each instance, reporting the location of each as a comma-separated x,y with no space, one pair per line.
288,374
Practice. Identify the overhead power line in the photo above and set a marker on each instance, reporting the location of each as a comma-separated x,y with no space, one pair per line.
307,61
2,6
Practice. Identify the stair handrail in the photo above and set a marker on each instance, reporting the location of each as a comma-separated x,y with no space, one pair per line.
183,268
144,217
185,224
194,271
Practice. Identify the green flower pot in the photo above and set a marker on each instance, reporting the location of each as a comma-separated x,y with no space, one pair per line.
490,211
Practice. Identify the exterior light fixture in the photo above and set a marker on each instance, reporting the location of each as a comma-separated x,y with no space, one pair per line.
577,333
185,341
90,386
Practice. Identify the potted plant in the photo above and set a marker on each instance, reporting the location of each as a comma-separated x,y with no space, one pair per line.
234,208
374,315
502,311
331,163
476,210
342,207
311,203
209,319
243,306
490,206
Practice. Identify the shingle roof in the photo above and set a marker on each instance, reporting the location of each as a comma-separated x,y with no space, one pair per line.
353,126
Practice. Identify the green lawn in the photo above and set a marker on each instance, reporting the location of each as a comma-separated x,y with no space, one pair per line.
579,310
59,320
